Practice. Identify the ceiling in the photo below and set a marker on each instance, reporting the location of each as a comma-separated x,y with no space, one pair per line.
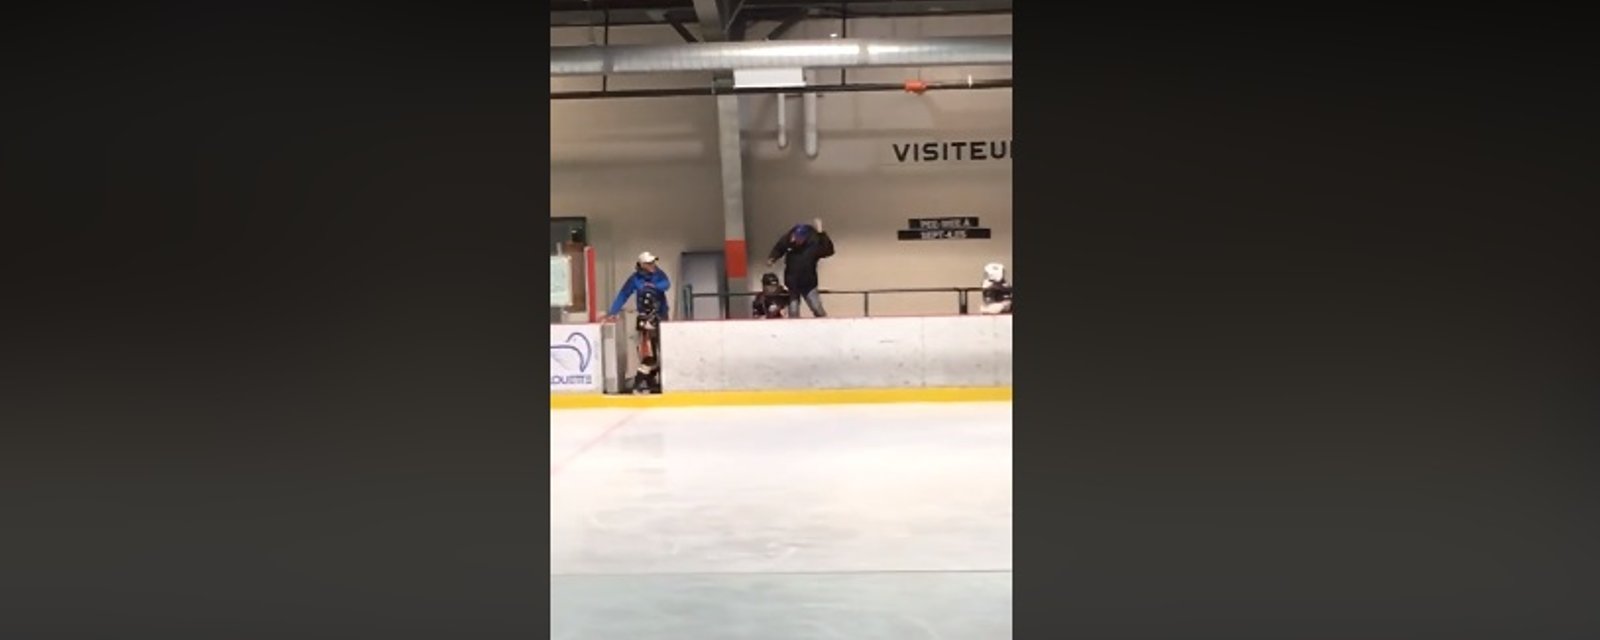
584,13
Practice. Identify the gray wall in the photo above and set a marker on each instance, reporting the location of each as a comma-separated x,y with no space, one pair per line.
645,171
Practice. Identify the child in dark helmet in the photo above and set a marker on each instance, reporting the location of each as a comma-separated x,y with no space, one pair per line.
649,284
773,301
652,304
801,249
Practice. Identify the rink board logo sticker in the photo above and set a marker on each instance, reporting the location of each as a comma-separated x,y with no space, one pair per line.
575,351
570,361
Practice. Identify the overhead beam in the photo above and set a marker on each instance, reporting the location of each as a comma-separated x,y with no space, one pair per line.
787,24
713,22
582,15
677,25
857,87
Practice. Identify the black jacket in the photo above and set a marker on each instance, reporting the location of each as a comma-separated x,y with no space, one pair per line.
994,292
770,305
800,260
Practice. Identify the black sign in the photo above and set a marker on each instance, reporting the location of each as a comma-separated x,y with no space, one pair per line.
951,228
964,222
943,234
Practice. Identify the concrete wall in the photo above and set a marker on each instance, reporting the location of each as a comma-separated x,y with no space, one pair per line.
859,353
645,171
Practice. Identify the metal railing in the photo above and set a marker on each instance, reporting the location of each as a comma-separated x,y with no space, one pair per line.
963,296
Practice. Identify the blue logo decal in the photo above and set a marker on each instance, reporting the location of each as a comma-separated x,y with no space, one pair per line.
578,346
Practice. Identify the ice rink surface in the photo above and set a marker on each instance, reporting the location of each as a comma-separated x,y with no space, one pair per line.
780,523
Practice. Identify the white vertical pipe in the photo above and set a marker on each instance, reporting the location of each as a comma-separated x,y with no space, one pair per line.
783,122
810,108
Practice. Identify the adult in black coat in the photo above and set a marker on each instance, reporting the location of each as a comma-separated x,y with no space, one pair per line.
801,248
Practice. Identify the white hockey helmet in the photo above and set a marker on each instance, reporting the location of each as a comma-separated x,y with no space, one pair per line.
994,271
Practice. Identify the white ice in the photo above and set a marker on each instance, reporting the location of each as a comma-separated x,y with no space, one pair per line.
778,523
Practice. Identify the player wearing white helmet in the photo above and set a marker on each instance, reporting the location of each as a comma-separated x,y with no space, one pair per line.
997,292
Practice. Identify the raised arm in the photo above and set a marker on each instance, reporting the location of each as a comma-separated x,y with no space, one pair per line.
824,245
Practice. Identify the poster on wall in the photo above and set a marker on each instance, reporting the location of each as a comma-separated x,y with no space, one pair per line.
575,358
560,281
952,228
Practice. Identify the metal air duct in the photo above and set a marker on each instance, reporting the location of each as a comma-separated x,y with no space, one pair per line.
780,54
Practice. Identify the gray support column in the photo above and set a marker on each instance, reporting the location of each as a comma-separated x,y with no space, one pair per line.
713,18
730,152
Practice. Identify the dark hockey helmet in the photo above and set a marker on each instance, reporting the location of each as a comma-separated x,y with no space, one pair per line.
648,299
